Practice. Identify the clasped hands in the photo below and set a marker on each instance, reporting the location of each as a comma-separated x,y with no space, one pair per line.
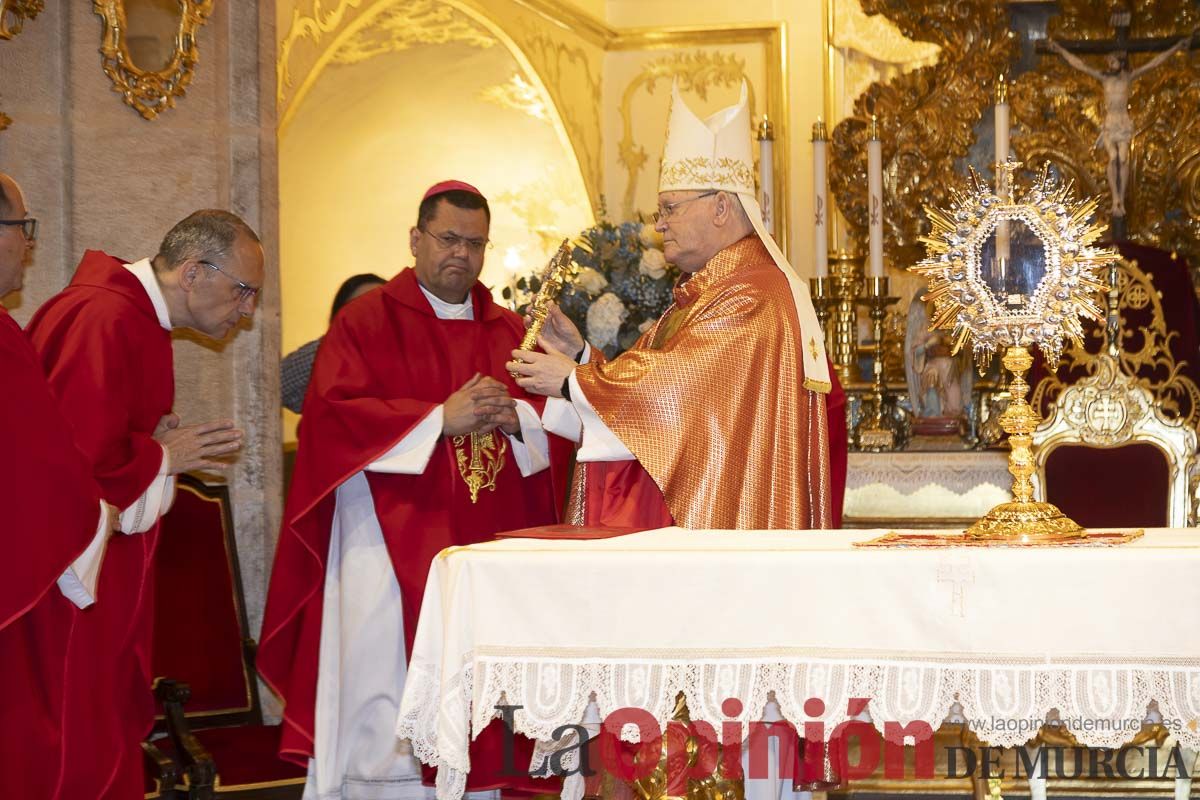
480,405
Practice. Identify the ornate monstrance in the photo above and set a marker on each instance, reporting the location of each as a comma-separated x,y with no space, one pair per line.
1009,273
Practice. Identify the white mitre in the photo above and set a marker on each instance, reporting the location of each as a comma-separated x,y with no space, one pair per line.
715,153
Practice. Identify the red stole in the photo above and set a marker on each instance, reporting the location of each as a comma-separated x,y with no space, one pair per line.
51,506
109,363
384,365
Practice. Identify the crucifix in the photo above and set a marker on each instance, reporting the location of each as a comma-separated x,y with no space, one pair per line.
1116,79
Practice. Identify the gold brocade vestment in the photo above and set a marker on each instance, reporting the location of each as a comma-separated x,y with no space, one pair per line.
711,401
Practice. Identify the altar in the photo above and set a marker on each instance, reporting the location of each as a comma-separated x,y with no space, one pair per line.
552,626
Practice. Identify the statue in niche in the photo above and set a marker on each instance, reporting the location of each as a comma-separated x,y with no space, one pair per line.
1116,132
939,383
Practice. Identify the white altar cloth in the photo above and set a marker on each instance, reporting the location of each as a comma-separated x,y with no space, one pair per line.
1009,633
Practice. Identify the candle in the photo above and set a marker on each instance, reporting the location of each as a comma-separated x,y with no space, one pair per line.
820,200
766,173
875,197
1003,242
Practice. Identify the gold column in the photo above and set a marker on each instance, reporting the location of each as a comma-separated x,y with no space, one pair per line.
846,284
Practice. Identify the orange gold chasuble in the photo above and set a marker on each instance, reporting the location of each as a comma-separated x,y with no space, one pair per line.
711,401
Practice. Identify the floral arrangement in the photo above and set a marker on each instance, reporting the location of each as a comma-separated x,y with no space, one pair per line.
624,284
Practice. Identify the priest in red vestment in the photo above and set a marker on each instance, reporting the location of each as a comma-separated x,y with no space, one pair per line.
414,439
105,345
719,415
53,521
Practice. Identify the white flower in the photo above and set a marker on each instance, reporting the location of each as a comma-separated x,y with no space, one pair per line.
653,263
591,281
604,320
649,237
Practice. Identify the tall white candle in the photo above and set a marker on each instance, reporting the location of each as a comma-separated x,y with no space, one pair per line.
875,198
766,173
1002,121
820,200
1003,242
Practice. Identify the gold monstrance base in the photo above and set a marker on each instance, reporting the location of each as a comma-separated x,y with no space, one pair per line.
1023,519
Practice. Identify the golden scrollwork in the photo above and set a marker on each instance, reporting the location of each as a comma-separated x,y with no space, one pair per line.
927,117
567,72
1058,112
150,92
313,27
706,171
408,24
13,14
482,464
1145,351
697,72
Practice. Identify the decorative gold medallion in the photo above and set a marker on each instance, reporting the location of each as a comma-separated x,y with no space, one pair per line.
480,468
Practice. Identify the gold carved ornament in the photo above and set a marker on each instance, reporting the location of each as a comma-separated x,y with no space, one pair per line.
1144,352
150,92
1057,114
1110,409
695,72
927,117
1045,314
13,14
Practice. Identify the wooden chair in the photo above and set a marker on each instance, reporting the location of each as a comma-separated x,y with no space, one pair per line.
1109,458
204,655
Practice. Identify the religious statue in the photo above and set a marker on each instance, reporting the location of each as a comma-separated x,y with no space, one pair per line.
1116,132
939,383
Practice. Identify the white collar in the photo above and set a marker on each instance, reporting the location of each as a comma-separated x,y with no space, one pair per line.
144,272
445,310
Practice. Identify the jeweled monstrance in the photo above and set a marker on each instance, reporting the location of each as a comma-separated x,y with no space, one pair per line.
1008,273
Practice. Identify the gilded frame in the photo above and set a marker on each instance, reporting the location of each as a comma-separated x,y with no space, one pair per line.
1109,410
13,14
150,92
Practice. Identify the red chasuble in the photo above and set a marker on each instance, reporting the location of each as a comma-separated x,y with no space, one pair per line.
51,508
385,364
109,363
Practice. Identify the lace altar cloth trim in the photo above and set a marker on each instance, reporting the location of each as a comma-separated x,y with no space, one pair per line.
1002,698
908,472
912,539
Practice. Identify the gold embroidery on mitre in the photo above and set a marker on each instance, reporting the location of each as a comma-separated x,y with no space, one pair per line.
479,470
704,172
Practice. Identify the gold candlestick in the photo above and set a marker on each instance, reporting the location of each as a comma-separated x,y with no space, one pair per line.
822,300
846,282
877,431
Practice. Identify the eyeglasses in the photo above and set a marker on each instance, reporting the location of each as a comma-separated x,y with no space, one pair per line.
28,226
667,210
245,290
450,241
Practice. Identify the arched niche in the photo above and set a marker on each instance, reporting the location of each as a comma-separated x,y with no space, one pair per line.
409,94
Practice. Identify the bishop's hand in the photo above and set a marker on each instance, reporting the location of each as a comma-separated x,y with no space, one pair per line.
559,332
541,373
192,447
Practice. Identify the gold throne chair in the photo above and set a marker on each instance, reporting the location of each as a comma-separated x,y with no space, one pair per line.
1108,424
